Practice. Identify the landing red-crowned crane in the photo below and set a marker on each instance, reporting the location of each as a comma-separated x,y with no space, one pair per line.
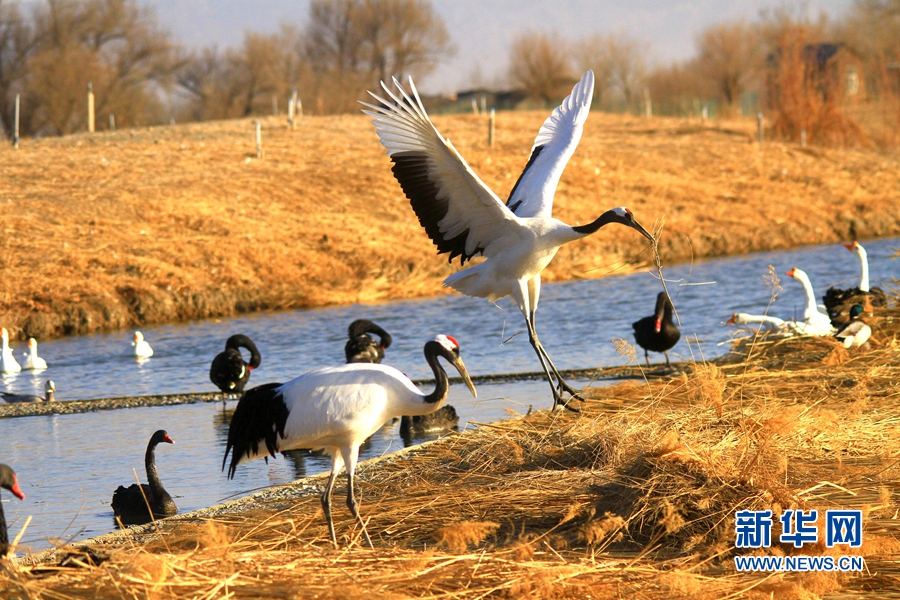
463,217
335,409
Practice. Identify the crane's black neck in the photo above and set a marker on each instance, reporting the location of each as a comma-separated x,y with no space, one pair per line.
441,383
592,227
4,536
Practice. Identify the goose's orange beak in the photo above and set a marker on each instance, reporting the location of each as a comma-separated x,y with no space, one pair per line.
850,247
791,272
731,320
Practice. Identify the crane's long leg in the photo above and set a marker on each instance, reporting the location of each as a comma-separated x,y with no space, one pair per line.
561,383
350,457
534,294
336,463
522,298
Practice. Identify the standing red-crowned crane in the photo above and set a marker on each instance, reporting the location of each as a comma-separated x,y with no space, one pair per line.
463,217
335,409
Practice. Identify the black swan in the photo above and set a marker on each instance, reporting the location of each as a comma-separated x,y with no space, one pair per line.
657,332
9,482
49,390
128,502
335,408
228,371
443,419
361,347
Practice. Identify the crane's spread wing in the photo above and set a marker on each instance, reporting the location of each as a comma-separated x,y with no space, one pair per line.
459,212
532,196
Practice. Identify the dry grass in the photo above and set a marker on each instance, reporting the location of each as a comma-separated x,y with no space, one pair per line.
638,501
156,225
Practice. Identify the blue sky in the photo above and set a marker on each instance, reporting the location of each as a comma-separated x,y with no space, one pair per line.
482,29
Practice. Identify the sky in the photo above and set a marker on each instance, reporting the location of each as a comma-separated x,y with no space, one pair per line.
482,30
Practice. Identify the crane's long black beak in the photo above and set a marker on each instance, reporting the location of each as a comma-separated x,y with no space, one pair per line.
642,231
461,367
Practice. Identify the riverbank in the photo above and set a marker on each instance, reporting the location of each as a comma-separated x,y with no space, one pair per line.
635,496
165,224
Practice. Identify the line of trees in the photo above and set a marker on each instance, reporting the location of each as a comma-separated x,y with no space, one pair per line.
783,64
50,53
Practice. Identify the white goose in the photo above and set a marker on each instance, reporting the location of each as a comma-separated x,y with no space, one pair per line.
34,362
464,218
141,348
836,299
814,322
8,363
765,322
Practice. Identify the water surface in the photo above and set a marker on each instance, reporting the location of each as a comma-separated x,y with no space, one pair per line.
69,465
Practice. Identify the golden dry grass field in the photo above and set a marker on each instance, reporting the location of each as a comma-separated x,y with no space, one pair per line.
111,230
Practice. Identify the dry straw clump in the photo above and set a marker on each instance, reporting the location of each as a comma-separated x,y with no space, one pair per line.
639,500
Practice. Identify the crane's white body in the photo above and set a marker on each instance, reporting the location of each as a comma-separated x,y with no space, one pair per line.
518,245
142,348
8,362
816,322
34,362
464,217
335,409
338,407
860,252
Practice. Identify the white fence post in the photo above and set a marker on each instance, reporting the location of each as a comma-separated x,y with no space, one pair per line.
90,100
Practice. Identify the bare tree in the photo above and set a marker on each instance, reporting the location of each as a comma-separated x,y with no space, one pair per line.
115,44
539,64
351,44
729,55
619,65
402,37
595,52
17,40
678,89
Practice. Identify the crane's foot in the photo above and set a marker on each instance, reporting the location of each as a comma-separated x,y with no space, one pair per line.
564,387
557,402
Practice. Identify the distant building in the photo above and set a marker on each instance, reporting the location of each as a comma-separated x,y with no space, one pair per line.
475,101
833,70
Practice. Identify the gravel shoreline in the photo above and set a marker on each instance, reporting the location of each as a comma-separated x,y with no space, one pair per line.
67,407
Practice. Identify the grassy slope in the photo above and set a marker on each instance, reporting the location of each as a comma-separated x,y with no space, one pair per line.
145,226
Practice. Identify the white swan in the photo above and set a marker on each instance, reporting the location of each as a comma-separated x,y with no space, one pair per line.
814,322
34,362
8,363
860,252
141,348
